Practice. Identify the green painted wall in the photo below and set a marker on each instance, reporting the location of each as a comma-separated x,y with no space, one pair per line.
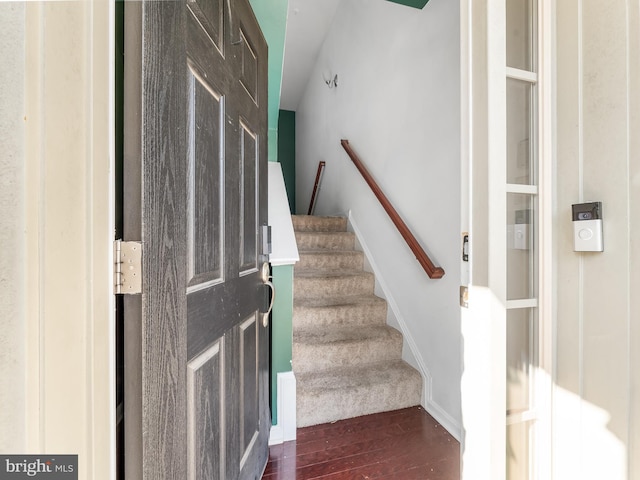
272,17
287,153
281,330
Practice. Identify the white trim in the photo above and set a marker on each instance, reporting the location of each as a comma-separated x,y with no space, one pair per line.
70,331
284,249
276,437
466,125
434,409
483,325
526,416
523,303
544,377
249,450
524,75
285,429
111,354
522,189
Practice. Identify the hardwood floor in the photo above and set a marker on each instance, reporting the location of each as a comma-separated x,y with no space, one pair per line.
405,444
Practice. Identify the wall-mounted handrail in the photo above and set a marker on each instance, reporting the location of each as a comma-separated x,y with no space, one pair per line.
418,251
316,185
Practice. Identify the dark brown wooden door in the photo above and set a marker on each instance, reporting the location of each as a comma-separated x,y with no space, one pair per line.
196,351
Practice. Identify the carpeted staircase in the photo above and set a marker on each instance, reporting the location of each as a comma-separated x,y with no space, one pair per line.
346,359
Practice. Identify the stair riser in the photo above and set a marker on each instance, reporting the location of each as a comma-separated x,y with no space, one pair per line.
322,261
325,241
312,408
309,358
304,317
304,223
316,287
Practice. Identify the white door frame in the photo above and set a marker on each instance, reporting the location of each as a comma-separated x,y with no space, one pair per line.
67,347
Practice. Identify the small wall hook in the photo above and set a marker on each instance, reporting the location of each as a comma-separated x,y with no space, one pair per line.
331,82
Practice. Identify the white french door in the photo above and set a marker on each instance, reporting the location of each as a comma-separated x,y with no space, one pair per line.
506,327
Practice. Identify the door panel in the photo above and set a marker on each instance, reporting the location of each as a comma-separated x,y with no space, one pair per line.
205,385
248,197
199,399
210,14
249,370
205,225
203,331
249,75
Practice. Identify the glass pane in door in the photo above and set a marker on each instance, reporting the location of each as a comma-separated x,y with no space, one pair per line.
520,28
521,246
521,358
519,450
521,155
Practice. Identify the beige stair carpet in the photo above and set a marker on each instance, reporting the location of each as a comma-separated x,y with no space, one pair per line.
347,360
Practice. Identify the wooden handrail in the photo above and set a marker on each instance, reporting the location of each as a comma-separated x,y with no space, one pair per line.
424,260
312,203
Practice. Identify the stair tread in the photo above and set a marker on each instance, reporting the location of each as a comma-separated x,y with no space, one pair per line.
324,233
328,312
330,395
314,273
321,240
318,223
329,260
345,334
328,253
356,376
351,300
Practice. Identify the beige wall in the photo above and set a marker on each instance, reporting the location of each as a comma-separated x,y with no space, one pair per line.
597,396
12,200
57,312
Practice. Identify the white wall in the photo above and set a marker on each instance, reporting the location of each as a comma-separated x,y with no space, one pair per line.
56,217
398,103
597,396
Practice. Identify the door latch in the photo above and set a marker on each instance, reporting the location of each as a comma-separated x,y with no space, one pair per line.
465,247
464,296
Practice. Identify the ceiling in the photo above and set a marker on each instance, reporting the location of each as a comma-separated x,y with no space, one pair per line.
307,25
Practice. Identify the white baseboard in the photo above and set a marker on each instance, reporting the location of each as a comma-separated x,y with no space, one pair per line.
434,409
444,419
275,435
285,429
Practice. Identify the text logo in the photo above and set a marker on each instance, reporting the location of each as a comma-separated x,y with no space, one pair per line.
49,467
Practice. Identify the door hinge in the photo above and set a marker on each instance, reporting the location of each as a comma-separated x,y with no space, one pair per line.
127,268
